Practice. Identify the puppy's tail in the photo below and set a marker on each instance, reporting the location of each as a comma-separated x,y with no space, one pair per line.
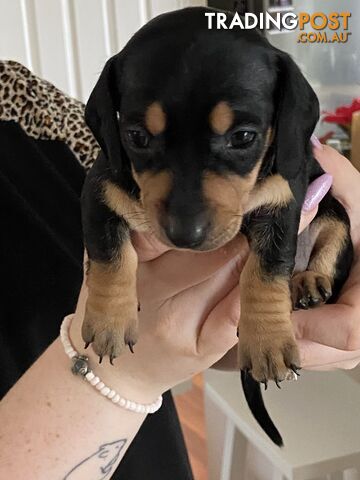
253,396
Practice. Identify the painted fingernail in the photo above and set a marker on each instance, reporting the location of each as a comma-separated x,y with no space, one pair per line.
317,191
316,142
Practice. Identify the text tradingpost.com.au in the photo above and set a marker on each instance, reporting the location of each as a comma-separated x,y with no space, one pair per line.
336,22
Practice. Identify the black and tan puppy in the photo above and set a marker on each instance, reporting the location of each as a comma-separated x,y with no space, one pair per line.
205,133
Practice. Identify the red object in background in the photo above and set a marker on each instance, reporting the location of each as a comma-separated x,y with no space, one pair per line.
343,115
326,137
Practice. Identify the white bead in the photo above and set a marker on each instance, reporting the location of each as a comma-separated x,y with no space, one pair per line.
69,349
98,384
111,394
104,391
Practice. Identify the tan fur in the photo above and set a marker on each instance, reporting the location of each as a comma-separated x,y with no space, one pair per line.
114,283
227,197
120,202
273,191
305,287
266,339
155,119
314,285
155,188
221,118
111,309
331,235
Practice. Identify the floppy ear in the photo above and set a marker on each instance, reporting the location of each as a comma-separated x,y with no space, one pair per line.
297,115
101,113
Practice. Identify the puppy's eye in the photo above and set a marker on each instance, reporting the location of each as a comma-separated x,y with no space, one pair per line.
139,138
241,139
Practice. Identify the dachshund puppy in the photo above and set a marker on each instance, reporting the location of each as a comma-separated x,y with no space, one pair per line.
205,134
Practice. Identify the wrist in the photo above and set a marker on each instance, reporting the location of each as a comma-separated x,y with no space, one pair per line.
125,376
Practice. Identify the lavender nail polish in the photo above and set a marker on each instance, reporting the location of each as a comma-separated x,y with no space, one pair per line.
316,142
317,191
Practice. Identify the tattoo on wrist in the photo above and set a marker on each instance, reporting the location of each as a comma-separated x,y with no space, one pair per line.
100,464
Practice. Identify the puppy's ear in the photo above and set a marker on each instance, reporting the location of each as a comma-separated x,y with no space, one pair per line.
297,115
101,112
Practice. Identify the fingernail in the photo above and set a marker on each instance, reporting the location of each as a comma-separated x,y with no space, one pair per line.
316,142
317,191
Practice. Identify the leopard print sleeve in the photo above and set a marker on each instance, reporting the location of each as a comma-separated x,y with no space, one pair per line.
44,112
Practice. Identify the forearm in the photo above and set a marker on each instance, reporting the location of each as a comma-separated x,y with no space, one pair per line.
54,425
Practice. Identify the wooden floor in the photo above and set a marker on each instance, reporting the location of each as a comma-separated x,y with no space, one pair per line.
190,406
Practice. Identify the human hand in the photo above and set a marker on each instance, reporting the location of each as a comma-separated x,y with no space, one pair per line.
329,336
188,319
189,313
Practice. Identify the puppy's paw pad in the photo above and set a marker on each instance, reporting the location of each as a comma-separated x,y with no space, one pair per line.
269,359
309,289
109,335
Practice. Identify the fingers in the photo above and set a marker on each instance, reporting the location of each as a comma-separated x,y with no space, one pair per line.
306,218
315,356
329,325
315,193
346,179
178,270
147,246
334,325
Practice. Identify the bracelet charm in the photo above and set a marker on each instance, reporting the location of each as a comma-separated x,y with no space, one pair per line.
80,367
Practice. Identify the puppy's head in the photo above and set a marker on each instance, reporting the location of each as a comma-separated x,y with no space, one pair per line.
190,113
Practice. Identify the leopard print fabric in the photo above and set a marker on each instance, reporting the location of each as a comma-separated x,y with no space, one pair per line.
44,112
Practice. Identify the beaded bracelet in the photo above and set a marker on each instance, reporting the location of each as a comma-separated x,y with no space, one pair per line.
81,367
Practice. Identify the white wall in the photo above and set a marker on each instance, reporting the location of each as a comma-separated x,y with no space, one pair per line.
68,41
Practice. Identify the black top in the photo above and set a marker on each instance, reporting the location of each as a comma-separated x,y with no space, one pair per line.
41,254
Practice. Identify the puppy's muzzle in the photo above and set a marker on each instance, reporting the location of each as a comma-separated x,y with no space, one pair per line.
186,231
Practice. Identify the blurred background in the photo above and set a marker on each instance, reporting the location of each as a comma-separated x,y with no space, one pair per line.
67,42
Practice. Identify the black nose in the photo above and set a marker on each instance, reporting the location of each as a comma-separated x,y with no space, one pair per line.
188,232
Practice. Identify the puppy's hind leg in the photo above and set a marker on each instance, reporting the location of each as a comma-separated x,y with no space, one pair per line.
330,259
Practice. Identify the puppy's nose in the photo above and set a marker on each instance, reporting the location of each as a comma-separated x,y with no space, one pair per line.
186,232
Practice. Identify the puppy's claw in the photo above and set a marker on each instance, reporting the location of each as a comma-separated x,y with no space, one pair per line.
111,359
100,358
131,346
86,345
277,384
139,307
295,369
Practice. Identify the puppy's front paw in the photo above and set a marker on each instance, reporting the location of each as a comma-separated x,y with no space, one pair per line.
111,333
309,289
268,356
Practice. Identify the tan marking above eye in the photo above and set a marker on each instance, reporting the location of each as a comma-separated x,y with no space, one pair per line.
221,118
155,119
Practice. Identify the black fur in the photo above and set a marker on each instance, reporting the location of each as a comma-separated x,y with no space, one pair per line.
175,60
